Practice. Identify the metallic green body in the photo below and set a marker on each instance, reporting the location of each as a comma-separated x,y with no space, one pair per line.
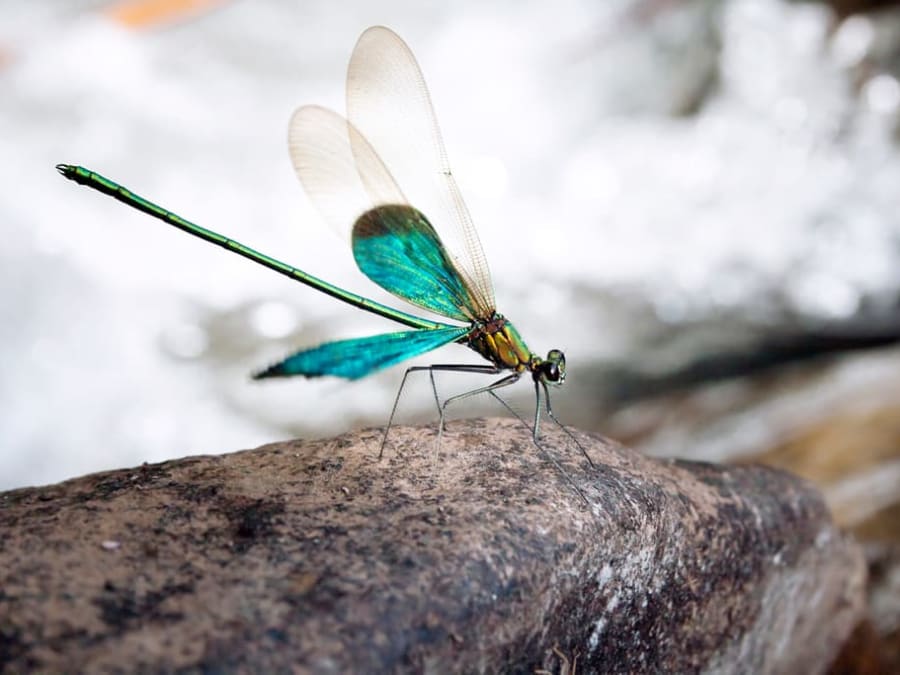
394,244
499,342
396,247
102,184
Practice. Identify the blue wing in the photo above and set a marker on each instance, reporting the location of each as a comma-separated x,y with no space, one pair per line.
358,357
397,248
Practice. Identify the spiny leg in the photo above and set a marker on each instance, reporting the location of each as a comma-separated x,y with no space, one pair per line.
546,453
554,418
535,429
504,381
394,409
483,370
492,390
475,368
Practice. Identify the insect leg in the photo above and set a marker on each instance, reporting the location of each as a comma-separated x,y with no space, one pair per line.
559,424
397,402
544,451
502,382
475,368
462,368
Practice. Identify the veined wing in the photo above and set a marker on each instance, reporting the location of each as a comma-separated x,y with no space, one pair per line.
358,357
341,173
394,245
389,105
397,248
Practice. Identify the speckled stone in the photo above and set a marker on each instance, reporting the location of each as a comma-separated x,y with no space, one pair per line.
479,556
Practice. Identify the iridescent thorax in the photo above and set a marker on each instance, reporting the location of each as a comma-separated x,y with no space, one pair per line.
499,342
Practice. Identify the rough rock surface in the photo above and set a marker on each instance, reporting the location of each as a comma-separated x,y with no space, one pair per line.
478,556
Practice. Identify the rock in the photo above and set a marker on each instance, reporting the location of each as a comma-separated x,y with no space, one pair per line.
834,422
875,644
312,556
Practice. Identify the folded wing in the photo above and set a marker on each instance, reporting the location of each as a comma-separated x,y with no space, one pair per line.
358,357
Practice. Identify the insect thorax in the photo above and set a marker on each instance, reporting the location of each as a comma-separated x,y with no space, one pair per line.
499,342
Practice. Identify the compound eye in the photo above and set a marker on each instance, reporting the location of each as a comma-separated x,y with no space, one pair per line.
555,366
553,369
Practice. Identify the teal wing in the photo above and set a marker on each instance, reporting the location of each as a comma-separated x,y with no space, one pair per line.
352,170
397,248
358,357
388,105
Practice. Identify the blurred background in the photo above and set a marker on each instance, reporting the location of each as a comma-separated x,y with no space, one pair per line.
697,200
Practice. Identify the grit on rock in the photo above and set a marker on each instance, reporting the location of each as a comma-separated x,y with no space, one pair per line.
475,557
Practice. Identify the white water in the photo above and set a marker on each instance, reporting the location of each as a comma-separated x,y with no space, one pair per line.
123,341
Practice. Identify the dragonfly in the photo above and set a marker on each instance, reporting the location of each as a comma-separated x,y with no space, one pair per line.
352,168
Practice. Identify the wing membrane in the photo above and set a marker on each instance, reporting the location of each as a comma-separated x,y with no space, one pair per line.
389,104
347,170
341,173
397,248
358,357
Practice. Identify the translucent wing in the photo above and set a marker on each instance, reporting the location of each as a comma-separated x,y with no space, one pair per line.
340,171
389,106
394,245
358,357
